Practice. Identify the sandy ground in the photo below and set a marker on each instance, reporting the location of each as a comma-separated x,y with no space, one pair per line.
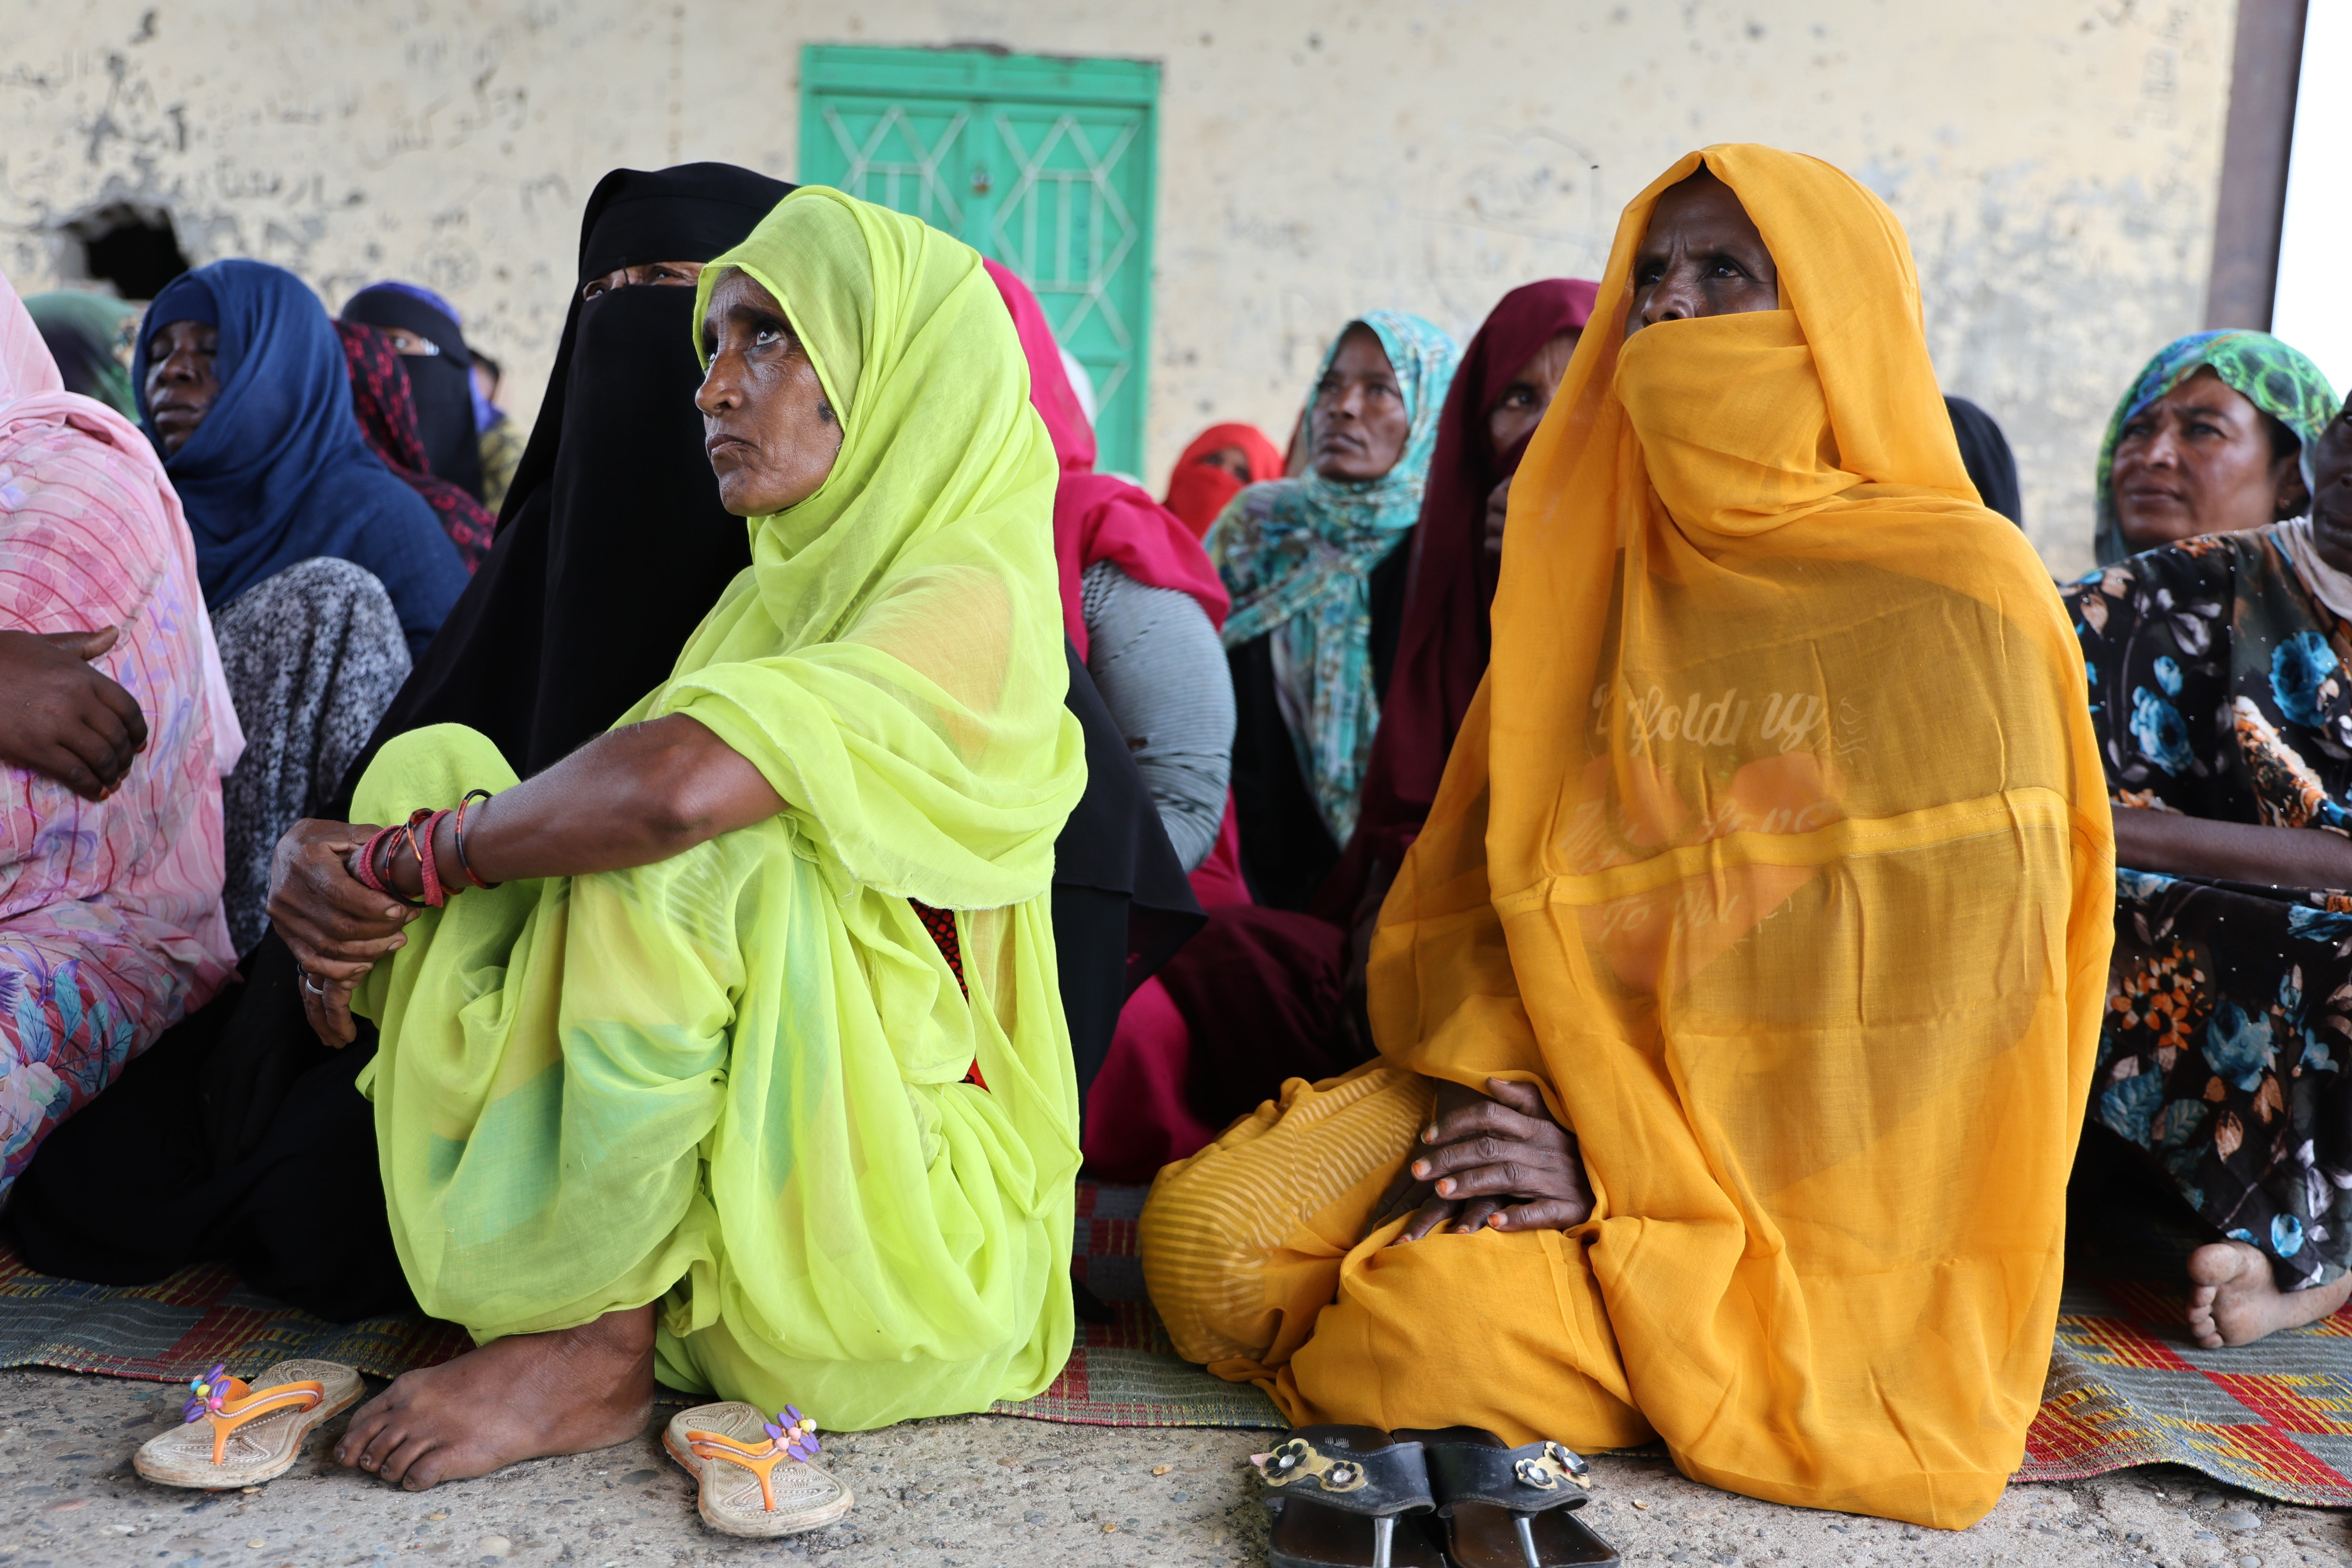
982,1490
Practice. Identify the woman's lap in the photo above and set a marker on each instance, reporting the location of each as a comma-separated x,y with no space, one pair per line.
2228,1024
1253,1253
575,1119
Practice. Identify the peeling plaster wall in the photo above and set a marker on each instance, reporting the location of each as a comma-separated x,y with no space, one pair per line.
2054,160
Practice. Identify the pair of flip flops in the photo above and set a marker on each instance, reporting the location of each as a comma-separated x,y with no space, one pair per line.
754,1477
1338,1493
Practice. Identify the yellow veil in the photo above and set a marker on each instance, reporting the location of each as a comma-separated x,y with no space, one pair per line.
1775,850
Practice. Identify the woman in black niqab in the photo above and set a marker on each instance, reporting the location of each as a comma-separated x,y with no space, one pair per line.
442,382
611,546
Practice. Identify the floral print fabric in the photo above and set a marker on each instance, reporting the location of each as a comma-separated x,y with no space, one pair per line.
2219,686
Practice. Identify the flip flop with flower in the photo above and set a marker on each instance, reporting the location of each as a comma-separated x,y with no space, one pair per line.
757,1476
235,1434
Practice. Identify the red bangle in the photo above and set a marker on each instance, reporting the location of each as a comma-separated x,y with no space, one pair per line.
381,881
423,823
459,837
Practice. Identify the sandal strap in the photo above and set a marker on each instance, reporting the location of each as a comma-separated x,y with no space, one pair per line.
1530,1479
245,1405
761,1461
1356,1470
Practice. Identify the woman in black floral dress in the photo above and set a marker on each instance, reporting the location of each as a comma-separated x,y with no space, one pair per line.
2219,683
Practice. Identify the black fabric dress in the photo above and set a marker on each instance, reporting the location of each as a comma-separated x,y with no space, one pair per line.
1286,852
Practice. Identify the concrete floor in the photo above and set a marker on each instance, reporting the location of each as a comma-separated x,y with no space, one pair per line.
982,1490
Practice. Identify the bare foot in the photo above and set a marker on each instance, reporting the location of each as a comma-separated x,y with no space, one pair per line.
2234,1300
518,1398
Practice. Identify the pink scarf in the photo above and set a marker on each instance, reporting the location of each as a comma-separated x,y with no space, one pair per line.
110,923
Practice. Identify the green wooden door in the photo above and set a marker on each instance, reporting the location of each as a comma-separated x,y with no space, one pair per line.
1046,165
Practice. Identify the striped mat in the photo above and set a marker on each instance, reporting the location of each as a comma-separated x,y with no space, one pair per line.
2126,1385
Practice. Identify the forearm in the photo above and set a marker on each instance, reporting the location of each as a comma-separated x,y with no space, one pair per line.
2149,841
632,797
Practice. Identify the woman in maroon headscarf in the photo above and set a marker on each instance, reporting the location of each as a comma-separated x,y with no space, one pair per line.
1270,996
1141,606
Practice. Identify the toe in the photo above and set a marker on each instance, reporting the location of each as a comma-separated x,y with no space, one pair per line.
400,1463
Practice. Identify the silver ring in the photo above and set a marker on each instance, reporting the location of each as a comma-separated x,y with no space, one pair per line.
311,983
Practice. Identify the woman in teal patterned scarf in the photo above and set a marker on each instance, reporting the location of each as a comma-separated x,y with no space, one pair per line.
2214,436
1317,566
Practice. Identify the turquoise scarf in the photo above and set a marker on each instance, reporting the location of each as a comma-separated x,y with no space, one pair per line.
1298,557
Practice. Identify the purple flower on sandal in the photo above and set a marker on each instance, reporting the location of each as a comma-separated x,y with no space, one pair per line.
793,1433
206,1394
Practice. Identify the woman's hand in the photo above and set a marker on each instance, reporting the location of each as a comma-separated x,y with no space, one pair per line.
335,924
1496,1160
63,718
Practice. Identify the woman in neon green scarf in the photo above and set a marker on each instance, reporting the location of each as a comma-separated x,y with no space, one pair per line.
689,1090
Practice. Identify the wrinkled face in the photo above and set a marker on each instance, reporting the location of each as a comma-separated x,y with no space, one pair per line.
2201,460
2331,502
770,432
1521,406
653,274
180,382
1232,460
1360,417
1702,257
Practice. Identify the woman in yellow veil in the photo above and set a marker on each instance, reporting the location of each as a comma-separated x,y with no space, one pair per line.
731,1051
1742,990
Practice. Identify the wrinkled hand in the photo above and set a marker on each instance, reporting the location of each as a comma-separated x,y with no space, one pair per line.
1496,1160
60,718
336,926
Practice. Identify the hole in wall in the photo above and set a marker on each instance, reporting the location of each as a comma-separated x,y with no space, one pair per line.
133,247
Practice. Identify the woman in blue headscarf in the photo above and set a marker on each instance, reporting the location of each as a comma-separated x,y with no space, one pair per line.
1316,566
322,571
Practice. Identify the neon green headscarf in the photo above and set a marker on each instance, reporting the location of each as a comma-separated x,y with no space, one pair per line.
732,1080
912,601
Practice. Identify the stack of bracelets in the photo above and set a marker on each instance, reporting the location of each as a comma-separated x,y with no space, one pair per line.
417,833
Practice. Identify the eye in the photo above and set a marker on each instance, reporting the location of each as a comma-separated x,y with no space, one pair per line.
596,286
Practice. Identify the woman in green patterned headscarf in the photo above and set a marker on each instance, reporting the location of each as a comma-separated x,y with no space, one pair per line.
1307,561
2214,436
770,1100
89,336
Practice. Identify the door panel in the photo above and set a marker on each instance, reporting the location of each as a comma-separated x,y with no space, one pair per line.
1046,165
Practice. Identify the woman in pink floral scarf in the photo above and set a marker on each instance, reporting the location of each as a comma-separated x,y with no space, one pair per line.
115,729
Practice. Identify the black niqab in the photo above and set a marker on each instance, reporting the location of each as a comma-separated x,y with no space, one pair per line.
1985,452
612,544
443,382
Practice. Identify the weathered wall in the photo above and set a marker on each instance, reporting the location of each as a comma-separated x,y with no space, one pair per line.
2054,160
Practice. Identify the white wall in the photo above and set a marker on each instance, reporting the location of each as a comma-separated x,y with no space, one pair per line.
2054,160
2312,308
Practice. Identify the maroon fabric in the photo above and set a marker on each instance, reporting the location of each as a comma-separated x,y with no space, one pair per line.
386,409
1260,992
1442,645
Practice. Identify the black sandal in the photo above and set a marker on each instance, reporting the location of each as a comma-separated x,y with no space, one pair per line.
1510,1507
1336,1493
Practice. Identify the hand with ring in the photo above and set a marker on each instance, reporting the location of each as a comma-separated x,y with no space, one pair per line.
336,926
